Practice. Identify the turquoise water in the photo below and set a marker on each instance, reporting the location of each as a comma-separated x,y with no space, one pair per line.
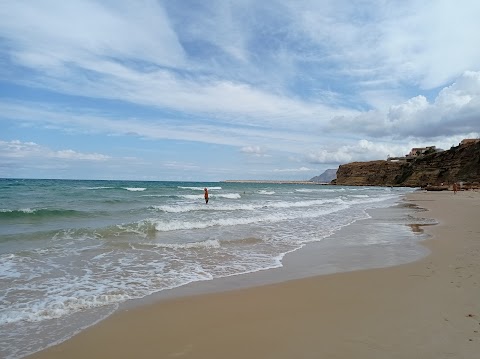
72,251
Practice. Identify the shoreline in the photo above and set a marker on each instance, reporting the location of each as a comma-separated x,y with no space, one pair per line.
394,312
301,218
300,263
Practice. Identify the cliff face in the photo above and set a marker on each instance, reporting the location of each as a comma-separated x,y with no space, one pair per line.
373,173
460,163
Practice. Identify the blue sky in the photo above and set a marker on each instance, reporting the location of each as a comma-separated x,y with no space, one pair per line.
210,90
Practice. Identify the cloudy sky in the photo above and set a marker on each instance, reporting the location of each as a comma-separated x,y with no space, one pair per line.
241,89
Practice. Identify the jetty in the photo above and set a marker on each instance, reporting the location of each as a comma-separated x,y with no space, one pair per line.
270,182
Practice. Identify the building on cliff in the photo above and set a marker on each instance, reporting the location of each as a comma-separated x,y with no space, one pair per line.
418,151
421,151
414,153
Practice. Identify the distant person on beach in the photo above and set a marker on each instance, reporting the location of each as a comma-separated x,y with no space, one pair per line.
206,195
455,188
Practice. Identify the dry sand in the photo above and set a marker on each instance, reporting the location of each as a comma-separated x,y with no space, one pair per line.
426,309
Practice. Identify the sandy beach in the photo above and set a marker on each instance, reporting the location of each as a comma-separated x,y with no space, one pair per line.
426,309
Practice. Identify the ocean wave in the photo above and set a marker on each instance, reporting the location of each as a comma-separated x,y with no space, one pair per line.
318,208
202,207
190,196
312,190
215,195
243,207
266,192
227,195
58,307
7,266
40,213
144,228
210,243
132,189
91,236
96,290
167,226
199,188
98,187
307,203
159,195
360,199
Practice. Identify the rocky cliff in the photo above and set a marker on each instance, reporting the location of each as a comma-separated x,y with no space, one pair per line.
459,164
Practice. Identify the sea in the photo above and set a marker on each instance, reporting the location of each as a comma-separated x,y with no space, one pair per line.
73,251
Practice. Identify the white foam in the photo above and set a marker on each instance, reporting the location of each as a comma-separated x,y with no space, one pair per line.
8,267
134,189
368,200
23,210
227,195
180,208
307,203
199,188
166,226
99,187
191,196
211,243
156,195
266,192
52,308
312,190
216,195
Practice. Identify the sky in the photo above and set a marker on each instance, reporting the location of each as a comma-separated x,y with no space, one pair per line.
211,90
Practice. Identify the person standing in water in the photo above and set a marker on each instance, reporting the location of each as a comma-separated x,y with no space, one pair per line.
206,195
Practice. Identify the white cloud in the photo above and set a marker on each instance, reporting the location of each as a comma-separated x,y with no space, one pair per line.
31,150
441,34
365,150
453,115
464,90
429,42
371,43
57,33
180,165
72,155
114,50
224,100
254,150
455,111
89,121
219,23
86,122
298,77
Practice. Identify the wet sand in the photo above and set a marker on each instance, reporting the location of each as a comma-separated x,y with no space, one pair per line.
426,309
